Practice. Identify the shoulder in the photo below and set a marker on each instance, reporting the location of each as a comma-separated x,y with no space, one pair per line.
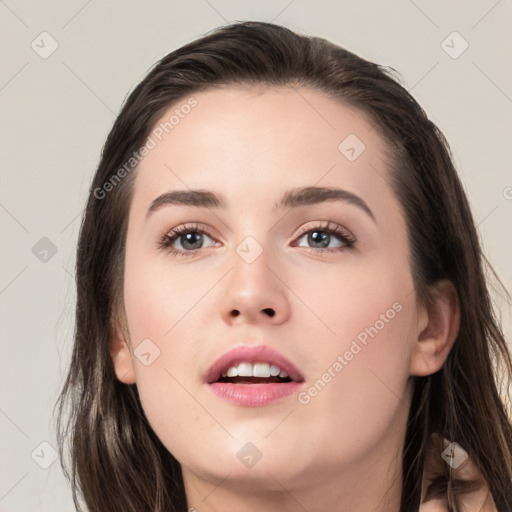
452,480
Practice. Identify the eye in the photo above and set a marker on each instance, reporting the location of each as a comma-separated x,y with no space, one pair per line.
320,237
189,236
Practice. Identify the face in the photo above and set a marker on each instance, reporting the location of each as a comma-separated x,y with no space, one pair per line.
322,281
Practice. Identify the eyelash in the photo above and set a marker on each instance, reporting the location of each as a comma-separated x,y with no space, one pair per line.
347,238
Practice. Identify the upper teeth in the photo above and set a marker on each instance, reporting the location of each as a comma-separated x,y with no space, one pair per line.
263,370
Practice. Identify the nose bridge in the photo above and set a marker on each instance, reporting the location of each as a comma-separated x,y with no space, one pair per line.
251,262
254,291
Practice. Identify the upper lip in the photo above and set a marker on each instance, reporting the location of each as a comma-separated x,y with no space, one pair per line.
251,354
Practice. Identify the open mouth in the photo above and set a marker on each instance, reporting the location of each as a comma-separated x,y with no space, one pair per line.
254,380
258,371
250,376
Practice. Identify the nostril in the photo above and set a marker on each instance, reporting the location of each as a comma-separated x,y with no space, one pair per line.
270,312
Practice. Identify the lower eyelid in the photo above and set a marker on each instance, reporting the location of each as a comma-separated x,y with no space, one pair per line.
347,239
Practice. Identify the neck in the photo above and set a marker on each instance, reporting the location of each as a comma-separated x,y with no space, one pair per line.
370,483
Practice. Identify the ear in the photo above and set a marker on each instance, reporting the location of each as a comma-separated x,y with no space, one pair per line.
119,347
437,328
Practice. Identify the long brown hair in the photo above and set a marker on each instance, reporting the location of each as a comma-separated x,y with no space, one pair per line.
117,463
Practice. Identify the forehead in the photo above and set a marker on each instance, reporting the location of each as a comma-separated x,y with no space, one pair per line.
234,138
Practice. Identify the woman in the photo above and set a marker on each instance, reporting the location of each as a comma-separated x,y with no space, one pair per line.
225,361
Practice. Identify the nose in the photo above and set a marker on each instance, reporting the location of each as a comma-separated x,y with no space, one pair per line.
255,293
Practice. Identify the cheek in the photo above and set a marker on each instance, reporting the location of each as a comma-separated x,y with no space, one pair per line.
364,301
362,361
156,300
166,318
174,415
359,312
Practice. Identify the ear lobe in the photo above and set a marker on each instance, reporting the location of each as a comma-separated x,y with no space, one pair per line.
436,338
121,356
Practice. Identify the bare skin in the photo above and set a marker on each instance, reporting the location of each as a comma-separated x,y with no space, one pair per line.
462,468
341,449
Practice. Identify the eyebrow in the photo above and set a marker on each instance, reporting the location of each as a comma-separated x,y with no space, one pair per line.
295,198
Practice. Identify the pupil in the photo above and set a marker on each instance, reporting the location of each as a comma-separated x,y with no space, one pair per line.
189,238
316,237
323,239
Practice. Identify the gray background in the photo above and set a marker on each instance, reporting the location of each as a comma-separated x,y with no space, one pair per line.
56,113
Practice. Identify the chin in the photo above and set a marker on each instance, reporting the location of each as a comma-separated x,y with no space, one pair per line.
254,463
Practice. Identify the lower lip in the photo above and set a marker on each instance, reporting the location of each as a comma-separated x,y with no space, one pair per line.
253,395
